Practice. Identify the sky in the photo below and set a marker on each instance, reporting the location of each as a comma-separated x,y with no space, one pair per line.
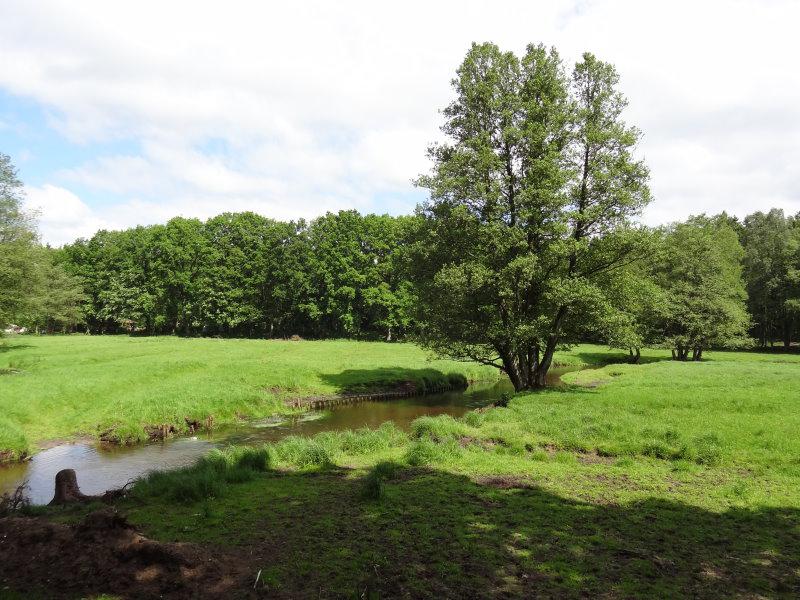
118,114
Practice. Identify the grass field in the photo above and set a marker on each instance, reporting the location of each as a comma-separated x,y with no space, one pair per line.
659,480
52,387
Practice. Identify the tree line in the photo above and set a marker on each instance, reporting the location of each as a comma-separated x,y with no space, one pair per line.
528,240
241,274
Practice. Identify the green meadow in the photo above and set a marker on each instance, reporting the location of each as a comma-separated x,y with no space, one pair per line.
66,386
665,479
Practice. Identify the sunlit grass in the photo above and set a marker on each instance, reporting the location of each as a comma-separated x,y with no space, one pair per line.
79,384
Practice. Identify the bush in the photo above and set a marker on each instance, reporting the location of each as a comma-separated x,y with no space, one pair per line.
473,418
362,441
457,380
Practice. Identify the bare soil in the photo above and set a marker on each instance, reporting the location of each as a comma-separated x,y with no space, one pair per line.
105,554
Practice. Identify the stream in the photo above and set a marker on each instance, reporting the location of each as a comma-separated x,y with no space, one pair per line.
102,467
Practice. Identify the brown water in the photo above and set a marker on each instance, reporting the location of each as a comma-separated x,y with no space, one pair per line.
100,467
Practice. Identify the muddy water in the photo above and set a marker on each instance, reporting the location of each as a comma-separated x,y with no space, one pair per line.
100,468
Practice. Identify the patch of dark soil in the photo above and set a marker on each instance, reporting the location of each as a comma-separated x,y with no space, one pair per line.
504,482
105,554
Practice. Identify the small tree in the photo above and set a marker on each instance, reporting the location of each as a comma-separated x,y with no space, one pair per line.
699,269
57,298
636,304
529,209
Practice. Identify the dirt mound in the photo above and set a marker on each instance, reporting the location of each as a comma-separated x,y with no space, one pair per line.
105,554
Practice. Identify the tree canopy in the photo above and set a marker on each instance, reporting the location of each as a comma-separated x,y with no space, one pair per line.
530,206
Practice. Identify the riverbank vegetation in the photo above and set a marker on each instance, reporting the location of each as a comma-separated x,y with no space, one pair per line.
117,386
665,479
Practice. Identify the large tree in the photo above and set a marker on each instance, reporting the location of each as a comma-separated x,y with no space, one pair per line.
530,206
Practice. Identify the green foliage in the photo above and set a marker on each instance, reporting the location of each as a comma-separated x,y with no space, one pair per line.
303,452
439,428
530,206
425,452
242,274
17,246
35,290
772,272
698,268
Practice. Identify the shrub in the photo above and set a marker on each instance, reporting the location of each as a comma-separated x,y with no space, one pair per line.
256,459
457,380
473,418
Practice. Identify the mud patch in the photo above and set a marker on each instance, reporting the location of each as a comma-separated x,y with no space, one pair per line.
105,554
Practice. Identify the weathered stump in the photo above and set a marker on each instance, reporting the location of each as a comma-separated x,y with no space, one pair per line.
67,489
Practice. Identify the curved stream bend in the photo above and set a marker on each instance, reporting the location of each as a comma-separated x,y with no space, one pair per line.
100,468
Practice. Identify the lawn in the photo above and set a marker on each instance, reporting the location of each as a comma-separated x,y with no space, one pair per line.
658,480
63,386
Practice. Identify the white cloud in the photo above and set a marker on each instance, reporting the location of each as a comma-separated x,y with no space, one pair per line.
296,108
63,217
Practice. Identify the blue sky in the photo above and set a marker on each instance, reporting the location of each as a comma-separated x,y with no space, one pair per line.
118,115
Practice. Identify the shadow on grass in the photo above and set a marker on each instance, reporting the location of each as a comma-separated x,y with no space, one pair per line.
391,378
435,534
6,347
611,357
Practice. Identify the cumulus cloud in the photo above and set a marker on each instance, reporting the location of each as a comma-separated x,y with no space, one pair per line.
63,217
293,109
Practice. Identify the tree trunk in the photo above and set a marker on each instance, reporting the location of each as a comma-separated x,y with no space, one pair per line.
512,370
787,333
680,353
540,373
67,489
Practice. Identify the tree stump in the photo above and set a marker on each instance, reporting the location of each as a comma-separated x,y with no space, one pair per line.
67,489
